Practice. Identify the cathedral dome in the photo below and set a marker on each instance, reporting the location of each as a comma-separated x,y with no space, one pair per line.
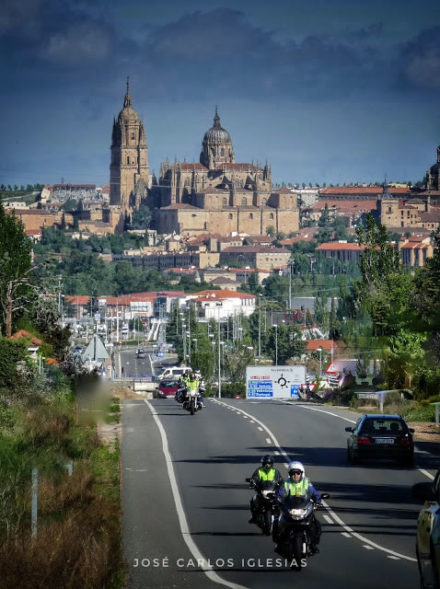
128,114
216,132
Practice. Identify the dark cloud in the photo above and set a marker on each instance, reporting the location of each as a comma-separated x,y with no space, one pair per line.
420,60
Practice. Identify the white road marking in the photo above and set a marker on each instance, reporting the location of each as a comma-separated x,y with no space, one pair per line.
327,518
371,545
268,441
261,429
346,534
393,557
183,522
426,473
251,421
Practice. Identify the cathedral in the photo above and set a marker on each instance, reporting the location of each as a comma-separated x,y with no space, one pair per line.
215,195
433,174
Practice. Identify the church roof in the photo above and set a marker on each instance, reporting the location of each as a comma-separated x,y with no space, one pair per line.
180,205
128,113
216,132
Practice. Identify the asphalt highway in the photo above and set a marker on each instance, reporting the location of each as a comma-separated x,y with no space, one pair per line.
185,499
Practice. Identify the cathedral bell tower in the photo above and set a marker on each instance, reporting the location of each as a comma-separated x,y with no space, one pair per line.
129,174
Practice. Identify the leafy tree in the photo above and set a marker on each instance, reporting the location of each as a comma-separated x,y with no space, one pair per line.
405,356
15,268
11,353
384,289
284,342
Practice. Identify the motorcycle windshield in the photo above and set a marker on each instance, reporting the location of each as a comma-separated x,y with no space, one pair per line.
297,502
266,485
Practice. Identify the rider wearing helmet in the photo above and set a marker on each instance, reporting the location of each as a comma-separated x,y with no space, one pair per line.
194,382
298,484
266,472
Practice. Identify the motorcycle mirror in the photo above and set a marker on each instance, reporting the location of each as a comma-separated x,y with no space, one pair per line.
325,495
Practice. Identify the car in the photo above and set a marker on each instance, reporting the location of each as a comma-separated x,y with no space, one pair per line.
141,353
380,436
428,533
167,388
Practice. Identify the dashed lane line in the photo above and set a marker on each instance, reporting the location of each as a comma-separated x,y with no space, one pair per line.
368,544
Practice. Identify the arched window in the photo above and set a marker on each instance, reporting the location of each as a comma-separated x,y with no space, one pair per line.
222,152
128,159
251,215
243,202
264,202
132,135
230,216
271,216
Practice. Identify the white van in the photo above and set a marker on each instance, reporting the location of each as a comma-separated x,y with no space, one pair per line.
174,372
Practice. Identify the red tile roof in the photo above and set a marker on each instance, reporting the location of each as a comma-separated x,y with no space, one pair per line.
335,245
326,344
362,190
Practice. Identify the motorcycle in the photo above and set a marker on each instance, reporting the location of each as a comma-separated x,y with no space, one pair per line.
267,507
293,531
192,402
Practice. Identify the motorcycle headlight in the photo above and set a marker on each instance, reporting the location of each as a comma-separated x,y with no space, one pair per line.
301,513
265,492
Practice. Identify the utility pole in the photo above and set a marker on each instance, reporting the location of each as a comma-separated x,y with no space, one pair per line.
259,328
219,356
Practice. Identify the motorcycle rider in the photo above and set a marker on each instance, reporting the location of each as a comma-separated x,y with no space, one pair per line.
298,484
266,472
193,383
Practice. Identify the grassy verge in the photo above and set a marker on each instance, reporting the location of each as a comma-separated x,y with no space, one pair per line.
78,541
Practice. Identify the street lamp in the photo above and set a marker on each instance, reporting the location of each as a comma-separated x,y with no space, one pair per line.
276,344
320,362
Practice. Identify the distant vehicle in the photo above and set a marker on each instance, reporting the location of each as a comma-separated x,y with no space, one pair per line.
141,353
380,436
168,388
428,533
175,372
78,350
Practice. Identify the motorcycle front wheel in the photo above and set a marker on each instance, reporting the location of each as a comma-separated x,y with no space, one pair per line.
296,544
267,523
193,409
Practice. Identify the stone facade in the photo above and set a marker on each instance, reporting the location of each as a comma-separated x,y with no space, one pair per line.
218,195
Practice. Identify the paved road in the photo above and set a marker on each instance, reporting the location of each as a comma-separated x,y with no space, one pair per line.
368,532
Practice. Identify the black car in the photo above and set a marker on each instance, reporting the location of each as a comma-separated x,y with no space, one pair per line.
380,436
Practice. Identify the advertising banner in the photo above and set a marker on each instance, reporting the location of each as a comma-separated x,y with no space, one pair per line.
274,382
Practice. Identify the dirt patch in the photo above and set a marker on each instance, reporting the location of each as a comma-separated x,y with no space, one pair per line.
425,431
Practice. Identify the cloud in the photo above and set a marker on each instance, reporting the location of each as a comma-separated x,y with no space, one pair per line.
421,60
78,45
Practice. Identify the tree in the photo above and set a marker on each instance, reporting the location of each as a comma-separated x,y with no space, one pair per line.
384,290
15,268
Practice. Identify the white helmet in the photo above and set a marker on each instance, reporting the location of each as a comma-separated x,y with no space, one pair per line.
296,466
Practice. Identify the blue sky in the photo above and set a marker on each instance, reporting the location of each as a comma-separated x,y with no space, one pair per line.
326,90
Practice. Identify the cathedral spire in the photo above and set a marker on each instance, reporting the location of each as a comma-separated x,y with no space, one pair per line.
127,99
216,119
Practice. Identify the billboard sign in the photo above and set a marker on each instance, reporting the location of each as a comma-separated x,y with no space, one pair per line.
274,382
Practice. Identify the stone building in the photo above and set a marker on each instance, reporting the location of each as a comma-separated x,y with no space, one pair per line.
129,173
219,195
433,174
